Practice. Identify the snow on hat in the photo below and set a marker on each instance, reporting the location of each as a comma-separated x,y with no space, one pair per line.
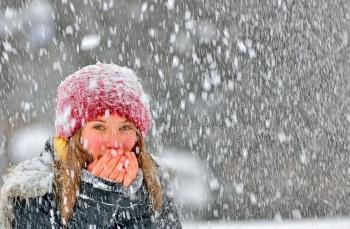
96,90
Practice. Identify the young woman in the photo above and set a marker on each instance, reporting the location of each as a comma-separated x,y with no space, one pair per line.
96,172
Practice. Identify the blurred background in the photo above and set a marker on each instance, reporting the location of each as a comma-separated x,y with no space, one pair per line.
250,99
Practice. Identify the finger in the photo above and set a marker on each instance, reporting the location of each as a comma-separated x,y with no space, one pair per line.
132,163
121,163
133,156
101,164
92,165
116,152
117,169
131,171
111,164
127,180
120,176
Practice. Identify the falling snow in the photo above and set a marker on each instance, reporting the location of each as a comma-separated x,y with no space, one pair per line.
249,101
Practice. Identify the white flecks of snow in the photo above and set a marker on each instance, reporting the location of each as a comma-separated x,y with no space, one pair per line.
226,33
206,30
176,28
187,15
114,153
241,46
183,43
195,58
28,142
348,117
105,6
172,38
137,62
216,213
214,184
296,214
175,61
156,58
192,97
85,144
282,137
253,198
145,99
207,84
189,25
252,53
234,117
26,106
57,66
72,7
228,122
9,13
239,188
92,84
190,187
8,47
344,39
6,56
239,76
182,104
303,157
230,85
90,42
69,30
215,78
107,113
170,4
244,153
151,32
62,118
144,7
160,73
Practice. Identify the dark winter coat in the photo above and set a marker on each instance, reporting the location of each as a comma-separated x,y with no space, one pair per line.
27,200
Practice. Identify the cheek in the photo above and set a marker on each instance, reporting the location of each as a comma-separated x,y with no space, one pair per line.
129,143
95,143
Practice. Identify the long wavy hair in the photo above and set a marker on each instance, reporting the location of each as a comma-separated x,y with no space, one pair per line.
71,158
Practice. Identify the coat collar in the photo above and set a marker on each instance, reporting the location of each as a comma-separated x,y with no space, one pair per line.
28,179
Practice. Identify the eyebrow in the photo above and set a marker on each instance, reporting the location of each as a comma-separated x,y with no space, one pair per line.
101,120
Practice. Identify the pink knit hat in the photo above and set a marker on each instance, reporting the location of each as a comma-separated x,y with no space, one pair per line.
97,89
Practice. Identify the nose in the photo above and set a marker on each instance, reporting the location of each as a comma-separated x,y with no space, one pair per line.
113,140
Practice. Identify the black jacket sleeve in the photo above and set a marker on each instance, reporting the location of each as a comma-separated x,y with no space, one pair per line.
38,212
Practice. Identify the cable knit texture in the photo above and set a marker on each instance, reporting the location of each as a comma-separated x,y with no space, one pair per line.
98,90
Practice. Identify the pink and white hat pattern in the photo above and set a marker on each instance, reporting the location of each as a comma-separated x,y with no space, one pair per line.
96,90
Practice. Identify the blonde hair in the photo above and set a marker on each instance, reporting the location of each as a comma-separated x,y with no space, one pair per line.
71,158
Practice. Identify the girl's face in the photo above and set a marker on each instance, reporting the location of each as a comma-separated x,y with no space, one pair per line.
111,132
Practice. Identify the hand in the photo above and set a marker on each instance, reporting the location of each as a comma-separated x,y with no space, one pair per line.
131,166
117,166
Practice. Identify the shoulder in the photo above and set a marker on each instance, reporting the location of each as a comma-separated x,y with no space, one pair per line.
29,179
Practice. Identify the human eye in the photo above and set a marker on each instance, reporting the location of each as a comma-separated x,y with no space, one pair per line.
99,127
125,128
